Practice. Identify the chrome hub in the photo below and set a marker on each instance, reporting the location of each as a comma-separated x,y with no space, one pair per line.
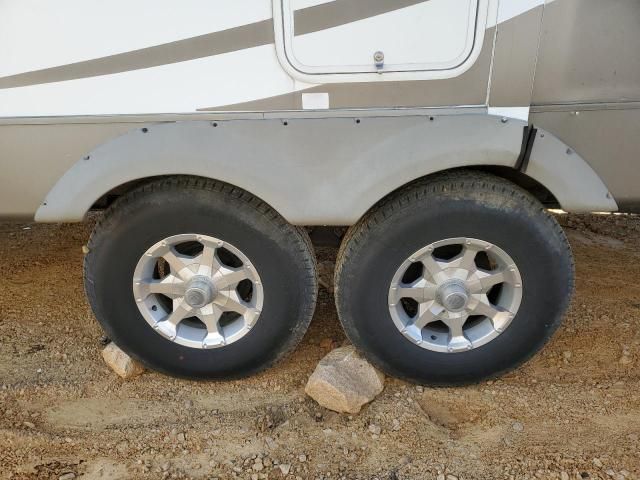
200,292
453,295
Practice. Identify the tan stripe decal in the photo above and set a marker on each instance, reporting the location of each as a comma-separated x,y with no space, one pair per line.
308,20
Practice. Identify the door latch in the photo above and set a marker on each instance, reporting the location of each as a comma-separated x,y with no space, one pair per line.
378,59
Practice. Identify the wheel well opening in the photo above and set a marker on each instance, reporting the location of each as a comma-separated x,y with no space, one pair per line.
535,188
514,176
112,195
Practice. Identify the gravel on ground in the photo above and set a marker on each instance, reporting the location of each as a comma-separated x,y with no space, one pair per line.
573,412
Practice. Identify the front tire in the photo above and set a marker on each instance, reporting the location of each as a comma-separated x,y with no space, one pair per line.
454,280
198,279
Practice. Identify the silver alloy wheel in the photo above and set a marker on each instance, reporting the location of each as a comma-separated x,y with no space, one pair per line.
198,291
455,295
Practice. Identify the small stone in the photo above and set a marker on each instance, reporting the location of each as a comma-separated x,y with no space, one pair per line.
120,362
564,476
67,476
375,429
29,424
566,355
258,466
327,343
181,437
441,477
597,462
284,468
395,424
518,427
625,360
302,458
325,275
344,382
452,477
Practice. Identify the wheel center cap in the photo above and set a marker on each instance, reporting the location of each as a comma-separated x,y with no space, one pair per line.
200,292
453,295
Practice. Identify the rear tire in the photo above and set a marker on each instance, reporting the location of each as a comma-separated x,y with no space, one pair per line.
403,265
225,327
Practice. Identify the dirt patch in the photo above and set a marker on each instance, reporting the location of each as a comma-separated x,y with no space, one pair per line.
572,412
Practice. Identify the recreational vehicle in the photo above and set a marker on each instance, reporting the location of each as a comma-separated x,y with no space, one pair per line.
213,135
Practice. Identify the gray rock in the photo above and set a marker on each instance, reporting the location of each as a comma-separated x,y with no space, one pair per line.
343,381
121,363
325,275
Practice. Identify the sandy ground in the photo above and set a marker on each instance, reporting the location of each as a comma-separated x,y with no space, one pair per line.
572,413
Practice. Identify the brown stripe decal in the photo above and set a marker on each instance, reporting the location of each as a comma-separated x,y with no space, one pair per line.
217,43
341,12
308,20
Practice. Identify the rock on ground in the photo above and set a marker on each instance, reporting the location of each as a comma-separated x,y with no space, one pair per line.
325,275
120,362
343,381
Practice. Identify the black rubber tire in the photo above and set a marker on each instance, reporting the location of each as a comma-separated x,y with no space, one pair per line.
457,204
281,253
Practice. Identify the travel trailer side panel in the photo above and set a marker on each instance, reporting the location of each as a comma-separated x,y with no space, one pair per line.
57,110
587,89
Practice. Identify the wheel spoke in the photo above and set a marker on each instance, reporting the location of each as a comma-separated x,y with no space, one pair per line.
178,265
170,286
208,257
210,316
169,326
421,291
432,267
230,301
428,313
231,277
499,317
466,260
457,340
486,281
